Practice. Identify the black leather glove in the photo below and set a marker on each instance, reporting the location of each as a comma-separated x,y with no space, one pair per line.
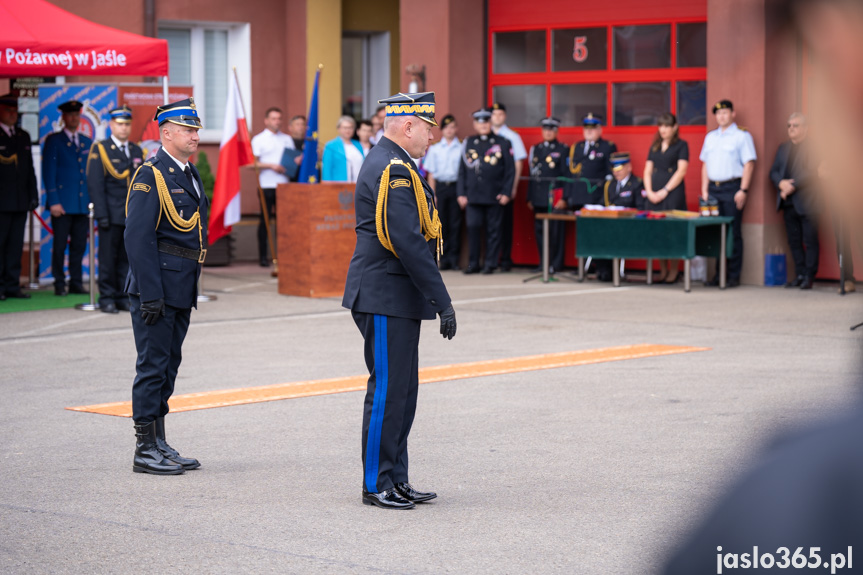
104,222
151,311
33,205
447,323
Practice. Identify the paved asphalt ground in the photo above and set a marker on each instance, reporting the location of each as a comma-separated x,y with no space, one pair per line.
591,469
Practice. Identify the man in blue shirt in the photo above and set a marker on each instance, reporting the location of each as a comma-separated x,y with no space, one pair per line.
499,127
64,175
442,162
728,157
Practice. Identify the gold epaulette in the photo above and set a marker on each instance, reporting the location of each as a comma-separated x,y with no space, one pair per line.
607,183
106,163
430,224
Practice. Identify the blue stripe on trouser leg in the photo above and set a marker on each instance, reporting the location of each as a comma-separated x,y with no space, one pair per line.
373,442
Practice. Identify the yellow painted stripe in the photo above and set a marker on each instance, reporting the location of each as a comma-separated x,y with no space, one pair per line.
243,395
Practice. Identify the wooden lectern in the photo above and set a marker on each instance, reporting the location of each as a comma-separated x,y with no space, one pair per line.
316,237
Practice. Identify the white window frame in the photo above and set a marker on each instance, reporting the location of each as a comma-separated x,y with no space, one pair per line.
239,57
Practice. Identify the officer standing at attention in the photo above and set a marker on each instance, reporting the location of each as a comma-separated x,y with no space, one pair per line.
109,171
728,157
64,164
590,159
18,195
393,283
499,127
166,231
485,181
442,163
547,163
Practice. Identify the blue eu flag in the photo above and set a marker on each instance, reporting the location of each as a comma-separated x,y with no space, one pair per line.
308,169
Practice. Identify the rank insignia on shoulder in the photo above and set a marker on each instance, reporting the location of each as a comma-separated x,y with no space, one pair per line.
148,163
93,156
139,187
401,183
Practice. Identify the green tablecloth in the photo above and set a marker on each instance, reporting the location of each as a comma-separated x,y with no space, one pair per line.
642,238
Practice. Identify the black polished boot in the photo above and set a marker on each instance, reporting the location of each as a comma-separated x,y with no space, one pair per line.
148,458
168,451
407,491
389,499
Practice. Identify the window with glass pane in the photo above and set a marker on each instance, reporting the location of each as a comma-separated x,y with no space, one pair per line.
692,45
525,105
215,77
692,103
179,55
579,49
640,103
518,52
572,102
641,47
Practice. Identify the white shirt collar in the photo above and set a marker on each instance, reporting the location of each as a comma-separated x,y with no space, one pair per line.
71,135
118,143
731,128
179,163
7,129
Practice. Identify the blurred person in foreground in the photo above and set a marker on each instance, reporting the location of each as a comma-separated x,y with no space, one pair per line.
808,489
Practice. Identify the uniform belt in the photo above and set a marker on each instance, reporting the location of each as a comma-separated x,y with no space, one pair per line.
447,183
731,181
196,255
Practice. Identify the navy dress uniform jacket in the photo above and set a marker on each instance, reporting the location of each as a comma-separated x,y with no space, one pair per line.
155,275
596,164
108,193
629,195
18,191
64,172
407,286
803,197
480,180
547,163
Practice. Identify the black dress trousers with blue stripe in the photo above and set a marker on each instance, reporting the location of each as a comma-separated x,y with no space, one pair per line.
389,295
391,397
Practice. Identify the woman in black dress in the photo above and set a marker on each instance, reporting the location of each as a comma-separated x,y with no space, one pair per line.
663,180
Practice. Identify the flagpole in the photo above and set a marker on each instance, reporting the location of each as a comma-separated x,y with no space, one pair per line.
261,199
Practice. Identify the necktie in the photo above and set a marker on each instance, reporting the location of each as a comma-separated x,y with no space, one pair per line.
125,150
188,173
618,186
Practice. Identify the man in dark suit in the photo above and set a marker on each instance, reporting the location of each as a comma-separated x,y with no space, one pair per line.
109,171
589,159
18,195
166,231
484,186
64,163
393,283
792,177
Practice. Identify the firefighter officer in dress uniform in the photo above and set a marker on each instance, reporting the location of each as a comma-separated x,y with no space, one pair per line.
64,165
166,231
626,189
393,283
590,159
485,183
109,170
547,163
18,195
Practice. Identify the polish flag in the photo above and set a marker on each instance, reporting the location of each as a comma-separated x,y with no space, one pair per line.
234,151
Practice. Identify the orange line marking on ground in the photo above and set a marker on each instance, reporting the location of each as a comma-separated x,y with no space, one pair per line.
244,395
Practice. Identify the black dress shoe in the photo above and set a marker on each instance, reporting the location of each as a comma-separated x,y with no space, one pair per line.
795,282
264,263
108,307
122,304
713,283
456,267
506,268
59,290
78,290
487,271
732,282
408,492
470,270
388,499
806,283
536,270
17,295
443,266
148,458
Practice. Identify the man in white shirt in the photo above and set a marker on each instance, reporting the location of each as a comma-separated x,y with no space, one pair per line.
499,127
268,147
728,157
441,162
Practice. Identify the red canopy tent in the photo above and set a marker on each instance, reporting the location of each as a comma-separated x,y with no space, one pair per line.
39,39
